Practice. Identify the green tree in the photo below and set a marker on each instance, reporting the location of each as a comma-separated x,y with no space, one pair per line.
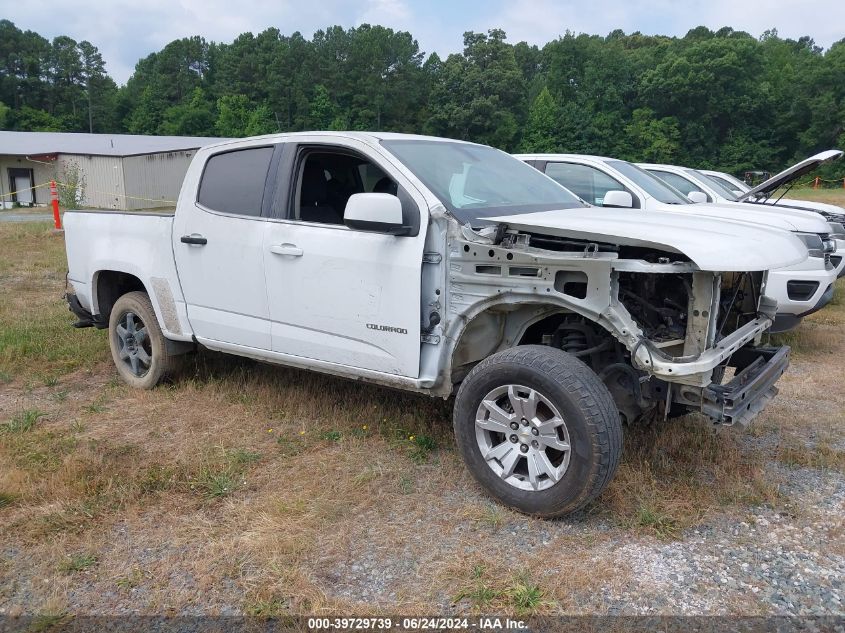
100,90
542,127
33,120
194,118
237,117
322,111
480,95
651,139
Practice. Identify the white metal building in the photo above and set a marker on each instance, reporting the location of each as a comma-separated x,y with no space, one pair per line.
120,171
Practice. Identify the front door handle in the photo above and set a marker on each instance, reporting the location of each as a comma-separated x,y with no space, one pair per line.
194,238
291,250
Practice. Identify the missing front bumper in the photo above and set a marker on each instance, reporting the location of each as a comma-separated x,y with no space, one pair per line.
749,391
747,394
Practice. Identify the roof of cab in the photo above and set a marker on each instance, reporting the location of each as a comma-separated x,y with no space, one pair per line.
364,136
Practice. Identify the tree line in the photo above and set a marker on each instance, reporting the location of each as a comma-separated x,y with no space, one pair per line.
721,99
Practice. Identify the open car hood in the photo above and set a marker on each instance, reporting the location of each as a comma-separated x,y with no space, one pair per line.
790,174
712,244
806,205
773,217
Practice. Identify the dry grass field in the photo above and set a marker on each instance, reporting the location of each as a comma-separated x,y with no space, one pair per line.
830,196
242,488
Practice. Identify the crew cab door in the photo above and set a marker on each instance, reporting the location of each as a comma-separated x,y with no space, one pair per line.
218,239
339,295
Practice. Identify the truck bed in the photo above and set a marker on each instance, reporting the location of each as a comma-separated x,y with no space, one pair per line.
138,244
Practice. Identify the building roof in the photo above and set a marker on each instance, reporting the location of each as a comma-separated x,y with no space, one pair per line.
41,143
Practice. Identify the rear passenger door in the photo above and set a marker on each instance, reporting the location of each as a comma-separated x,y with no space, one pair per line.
217,243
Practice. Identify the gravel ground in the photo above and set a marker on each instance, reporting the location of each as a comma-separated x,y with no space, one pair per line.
25,217
765,562
772,563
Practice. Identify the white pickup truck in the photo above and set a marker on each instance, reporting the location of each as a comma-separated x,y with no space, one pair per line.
445,268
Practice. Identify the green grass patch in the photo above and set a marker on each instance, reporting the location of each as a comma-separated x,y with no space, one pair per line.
44,622
216,484
36,337
77,562
266,609
223,472
331,436
22,422
38,452
486,590
157,478
406,484
43,337
421,448
661,525
525,595
291,445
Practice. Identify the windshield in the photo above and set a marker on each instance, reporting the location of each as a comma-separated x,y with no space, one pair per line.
726,180
475,182
651,184
717,186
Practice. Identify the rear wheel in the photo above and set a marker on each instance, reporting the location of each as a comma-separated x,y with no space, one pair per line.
138,347
538,429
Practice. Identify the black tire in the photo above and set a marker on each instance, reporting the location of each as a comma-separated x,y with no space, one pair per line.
582,400
154,346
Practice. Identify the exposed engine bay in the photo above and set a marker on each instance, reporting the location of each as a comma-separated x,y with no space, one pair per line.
666,309
660,304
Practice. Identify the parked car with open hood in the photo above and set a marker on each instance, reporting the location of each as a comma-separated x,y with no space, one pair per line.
799,289
445,268
769,192
695,183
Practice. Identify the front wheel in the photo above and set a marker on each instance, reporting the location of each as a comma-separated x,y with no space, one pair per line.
538,429
138,347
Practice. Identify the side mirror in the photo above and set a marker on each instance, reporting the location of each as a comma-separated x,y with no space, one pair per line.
697,197
621,199
378,212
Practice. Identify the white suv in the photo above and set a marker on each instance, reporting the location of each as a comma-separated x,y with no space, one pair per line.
800,289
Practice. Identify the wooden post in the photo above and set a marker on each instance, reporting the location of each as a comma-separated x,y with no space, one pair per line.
54,198
816,183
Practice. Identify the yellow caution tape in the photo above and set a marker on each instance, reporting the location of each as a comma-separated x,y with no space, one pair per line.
14,193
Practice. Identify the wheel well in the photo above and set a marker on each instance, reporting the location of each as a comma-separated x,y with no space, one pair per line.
111,286
500,327
547,325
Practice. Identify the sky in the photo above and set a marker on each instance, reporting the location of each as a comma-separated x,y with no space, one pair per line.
127,30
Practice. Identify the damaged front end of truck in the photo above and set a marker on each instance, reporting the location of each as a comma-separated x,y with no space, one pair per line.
665,336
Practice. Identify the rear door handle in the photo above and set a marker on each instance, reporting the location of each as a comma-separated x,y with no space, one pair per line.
194,238
291,250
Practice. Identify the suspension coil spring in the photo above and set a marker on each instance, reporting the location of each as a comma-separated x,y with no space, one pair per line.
573,341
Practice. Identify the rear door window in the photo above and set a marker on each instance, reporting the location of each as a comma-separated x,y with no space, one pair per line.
233,182
680,183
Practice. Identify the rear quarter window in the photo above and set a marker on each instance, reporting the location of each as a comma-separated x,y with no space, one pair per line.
233,182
